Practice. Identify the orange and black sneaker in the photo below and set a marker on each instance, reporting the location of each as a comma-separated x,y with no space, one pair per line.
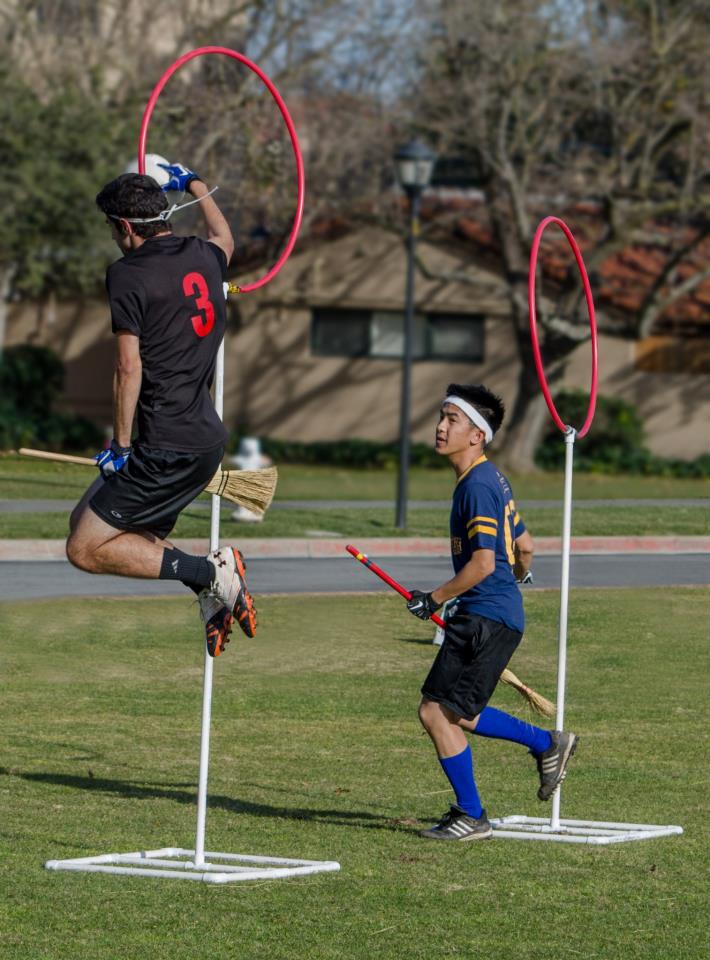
244,609
218,621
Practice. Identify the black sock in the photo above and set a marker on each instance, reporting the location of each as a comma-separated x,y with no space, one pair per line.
195,587
177,565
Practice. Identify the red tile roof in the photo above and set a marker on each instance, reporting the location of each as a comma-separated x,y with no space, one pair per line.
624,279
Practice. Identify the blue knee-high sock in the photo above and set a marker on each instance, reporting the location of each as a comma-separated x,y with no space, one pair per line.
501,726
459,770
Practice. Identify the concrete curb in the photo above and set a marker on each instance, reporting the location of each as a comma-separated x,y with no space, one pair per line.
298,548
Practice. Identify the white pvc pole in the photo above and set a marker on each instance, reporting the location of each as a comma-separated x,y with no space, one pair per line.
564,600
207,683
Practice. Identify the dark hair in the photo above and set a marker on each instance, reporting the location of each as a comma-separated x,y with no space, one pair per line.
135,195
490,406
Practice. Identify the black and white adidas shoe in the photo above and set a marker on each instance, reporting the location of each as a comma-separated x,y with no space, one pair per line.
458,825
552,764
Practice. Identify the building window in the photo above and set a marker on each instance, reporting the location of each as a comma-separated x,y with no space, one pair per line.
340,333
452,336
387,335
380,334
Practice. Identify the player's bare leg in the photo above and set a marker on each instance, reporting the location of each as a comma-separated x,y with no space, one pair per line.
443,727
83,503
96,547
466,819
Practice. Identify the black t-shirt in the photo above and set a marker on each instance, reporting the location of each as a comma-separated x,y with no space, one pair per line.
169,293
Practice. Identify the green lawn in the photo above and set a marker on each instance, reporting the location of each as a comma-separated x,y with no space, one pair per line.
378,522
27,479
22,478
317,753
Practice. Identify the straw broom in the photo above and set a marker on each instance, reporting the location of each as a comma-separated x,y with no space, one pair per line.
253,489
538,703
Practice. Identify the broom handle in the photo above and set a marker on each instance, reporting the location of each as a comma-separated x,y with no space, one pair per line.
379,572
216,485
60,457
507,676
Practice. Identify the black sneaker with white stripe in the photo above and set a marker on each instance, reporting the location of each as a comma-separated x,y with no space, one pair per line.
552,764
456,824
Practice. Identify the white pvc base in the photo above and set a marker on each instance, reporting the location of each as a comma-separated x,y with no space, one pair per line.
178,864
593,832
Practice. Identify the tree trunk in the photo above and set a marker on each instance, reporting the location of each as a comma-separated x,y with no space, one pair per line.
527,419
5,280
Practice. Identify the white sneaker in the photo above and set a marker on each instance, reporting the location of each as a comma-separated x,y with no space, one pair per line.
227,583
229,587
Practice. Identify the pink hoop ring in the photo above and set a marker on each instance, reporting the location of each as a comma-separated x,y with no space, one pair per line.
533,324
148,112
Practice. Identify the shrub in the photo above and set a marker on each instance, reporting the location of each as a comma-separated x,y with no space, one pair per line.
31,378
615,444
345,453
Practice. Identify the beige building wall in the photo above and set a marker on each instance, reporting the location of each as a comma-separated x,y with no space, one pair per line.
675,408
275,386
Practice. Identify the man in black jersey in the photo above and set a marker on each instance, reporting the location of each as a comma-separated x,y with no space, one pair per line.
168,314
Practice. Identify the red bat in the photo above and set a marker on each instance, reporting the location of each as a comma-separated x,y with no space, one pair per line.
379,572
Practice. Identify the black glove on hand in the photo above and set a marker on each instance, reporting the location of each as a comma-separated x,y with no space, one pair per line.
422,605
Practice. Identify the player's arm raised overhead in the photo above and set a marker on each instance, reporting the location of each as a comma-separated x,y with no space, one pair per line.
127,379
218,230
181,177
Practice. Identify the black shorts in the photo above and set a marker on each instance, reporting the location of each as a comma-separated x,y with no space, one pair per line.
152,488
470,661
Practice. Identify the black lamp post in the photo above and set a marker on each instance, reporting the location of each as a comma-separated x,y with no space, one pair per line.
415,163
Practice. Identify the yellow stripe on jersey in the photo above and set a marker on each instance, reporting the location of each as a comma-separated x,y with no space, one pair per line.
509,532
481,528
492,520
481,459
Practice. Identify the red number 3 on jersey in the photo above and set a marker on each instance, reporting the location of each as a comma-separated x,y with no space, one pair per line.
195,285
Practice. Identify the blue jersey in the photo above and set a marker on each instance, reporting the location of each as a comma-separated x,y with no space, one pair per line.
483,517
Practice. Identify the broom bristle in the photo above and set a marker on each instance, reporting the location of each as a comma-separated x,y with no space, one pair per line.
253,489
537,702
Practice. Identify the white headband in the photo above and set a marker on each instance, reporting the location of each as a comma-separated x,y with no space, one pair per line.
473,415
164,215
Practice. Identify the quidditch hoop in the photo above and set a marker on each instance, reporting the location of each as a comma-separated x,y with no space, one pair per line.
225,51
533,324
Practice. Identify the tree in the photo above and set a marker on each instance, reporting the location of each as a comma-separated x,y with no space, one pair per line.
74,81
602,103
54,153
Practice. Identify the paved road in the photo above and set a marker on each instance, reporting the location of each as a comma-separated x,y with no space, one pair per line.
65,506
57,579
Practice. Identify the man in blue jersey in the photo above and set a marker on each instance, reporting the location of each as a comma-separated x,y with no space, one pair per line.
490,551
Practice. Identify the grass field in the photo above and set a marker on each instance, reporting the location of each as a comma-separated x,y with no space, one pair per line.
379,522
317,753
22,478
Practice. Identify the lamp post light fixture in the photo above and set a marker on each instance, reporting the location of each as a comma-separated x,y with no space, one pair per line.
415,164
